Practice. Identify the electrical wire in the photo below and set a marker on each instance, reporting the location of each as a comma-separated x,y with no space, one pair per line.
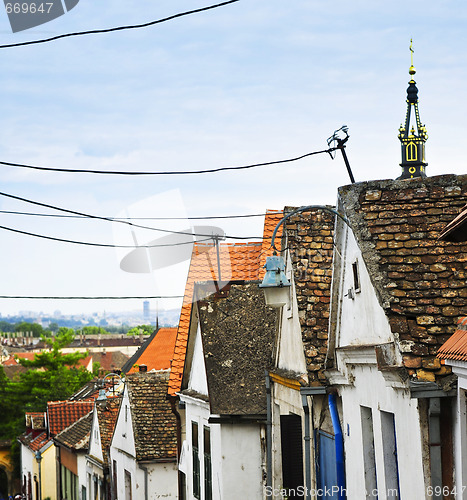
84,215
118,28
169,172
12,212
92,298
87,243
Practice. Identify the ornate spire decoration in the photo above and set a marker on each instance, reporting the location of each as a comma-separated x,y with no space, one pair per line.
412,139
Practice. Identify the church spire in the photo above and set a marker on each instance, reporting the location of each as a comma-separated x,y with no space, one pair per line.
412,139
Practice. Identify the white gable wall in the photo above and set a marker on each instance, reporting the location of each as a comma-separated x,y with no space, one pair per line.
361,319
198,380
95,446
370,390
290,355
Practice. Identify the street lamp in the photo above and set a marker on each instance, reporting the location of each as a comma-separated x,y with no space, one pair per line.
102,397
275,283
38,457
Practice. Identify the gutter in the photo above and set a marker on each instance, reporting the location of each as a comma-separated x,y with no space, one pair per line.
305,392
340,464
145,469
268,438
173,401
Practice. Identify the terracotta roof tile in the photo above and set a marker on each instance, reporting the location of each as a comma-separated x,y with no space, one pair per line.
419,279
61,414
76,436
107,416
455,347
238,261
156,353
310,242
155,426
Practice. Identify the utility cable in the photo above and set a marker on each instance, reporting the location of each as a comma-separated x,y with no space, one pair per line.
169,172
118,28
87,243
92,298
211,217
84,215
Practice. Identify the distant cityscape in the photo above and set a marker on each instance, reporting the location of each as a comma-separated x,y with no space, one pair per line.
114,320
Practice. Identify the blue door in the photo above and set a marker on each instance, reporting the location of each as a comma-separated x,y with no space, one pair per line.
326,466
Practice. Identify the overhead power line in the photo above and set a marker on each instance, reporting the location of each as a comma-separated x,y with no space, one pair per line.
108,219
87,243
211,217
92,298
118,28
169,172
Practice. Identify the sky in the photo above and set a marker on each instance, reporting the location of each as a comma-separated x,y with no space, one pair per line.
250,82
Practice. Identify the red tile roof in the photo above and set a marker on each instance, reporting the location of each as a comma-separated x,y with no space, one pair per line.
158,353
238,261
107,417
61,414
272,218
455,347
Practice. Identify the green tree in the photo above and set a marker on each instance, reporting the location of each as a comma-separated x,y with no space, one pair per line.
144,329
35,328
51,376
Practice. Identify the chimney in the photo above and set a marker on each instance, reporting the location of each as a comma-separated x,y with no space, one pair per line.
143,368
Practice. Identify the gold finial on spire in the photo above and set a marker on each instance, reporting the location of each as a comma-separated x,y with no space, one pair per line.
412,69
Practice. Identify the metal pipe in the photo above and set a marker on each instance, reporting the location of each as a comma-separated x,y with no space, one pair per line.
339,440
172,401
307,438
268,439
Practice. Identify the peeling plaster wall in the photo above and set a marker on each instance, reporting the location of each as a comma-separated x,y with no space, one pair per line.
370,390
361,319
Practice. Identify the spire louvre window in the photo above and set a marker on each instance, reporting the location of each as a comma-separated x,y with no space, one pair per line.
412,138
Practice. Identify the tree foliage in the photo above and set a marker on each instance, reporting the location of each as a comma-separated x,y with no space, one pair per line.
144,329
51,376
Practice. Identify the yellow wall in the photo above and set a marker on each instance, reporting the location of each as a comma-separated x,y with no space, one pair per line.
48,473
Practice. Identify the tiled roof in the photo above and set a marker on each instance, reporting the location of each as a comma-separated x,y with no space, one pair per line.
107,416
156,353
13,360
34,441
238,334
155,425
310,240
76,436
238,261
61,414
456,230
271,219
420,280
35,420
109,360
455,347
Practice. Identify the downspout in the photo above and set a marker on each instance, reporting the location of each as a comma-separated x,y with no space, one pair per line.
434,412
172,401
145,469
268,439
339,440
307,438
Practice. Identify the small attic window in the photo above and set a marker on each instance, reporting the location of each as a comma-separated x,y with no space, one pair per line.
356,277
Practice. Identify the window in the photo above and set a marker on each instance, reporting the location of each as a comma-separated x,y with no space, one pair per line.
411,152
196,466
114,478
369,460
356,277
391,469
207,464
127,485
